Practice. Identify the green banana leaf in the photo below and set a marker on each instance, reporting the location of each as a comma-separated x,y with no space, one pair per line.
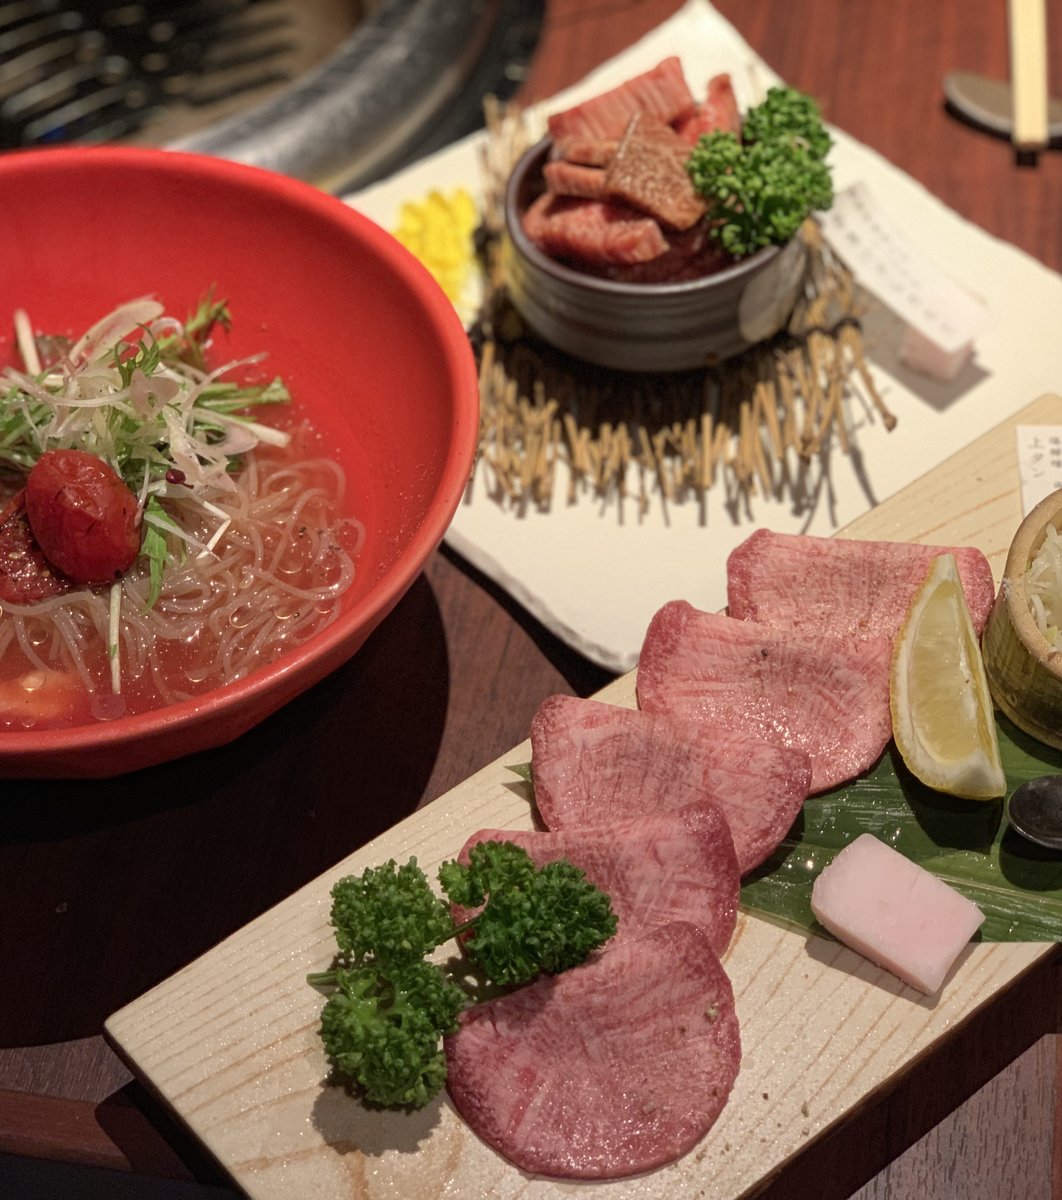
967,843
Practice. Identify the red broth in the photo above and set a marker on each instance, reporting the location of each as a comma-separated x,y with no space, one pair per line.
276,577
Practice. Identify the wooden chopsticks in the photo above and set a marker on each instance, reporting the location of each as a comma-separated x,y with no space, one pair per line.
1027,20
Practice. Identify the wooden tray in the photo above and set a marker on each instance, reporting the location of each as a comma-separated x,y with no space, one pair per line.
230,1042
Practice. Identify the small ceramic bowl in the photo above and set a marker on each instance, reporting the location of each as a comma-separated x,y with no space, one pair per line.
1024,670
643,326
373,352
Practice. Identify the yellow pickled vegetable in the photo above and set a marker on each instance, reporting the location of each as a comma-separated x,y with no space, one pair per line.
439,231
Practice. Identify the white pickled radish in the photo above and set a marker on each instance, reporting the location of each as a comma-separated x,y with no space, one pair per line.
894,912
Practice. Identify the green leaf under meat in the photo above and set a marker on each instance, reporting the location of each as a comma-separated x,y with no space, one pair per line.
967,843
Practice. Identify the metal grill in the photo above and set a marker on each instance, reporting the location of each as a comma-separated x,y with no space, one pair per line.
88,71
335,91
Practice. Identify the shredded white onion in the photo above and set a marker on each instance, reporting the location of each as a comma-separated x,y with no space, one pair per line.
1044,586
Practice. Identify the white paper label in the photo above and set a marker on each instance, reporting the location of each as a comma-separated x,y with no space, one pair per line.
1039,462
887,264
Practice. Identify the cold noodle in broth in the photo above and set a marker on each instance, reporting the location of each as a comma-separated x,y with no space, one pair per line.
245,548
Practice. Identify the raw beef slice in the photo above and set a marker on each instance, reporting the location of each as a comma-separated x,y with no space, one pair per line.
594,231
584,151
826,696
616,1067
596,763
840,586
719,111
678,865
691,254
662,92
573,179
649,173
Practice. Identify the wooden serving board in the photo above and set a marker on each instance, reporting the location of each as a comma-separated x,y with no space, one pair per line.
230,1042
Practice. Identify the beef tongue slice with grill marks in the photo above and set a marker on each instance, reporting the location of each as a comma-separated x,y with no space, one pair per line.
842,587
613,1068
648,172
676,865
597,764
828,696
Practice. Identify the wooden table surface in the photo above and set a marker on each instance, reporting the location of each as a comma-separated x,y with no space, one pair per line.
107,888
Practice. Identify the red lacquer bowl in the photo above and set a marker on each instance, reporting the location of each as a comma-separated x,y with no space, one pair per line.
368,344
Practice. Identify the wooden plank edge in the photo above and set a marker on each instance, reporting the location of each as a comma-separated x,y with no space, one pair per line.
129,1132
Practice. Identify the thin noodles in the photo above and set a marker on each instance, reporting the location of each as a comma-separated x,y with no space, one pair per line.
276,577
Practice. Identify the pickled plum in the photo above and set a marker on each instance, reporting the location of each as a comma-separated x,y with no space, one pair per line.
82,515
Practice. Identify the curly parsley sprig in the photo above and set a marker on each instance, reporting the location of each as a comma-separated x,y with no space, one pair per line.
388,1007
762,186
534,920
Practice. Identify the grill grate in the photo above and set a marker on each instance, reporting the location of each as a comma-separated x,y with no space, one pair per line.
91,71
337,92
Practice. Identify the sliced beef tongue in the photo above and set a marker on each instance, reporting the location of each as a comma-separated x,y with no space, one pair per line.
598,764
663,92
677,865
593,231
842,587
827,696
648,172
613,1068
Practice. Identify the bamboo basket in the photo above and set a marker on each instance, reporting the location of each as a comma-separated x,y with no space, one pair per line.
1024,670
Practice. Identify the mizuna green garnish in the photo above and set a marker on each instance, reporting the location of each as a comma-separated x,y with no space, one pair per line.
135,391
388,1006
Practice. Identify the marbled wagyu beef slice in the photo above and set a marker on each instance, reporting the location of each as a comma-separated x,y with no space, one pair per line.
594,231
662,92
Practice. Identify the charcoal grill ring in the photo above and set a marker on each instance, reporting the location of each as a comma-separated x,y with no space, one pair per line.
346,120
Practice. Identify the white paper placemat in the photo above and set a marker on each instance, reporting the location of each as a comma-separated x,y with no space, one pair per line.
594,573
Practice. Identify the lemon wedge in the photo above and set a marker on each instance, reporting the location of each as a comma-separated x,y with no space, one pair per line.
942,717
